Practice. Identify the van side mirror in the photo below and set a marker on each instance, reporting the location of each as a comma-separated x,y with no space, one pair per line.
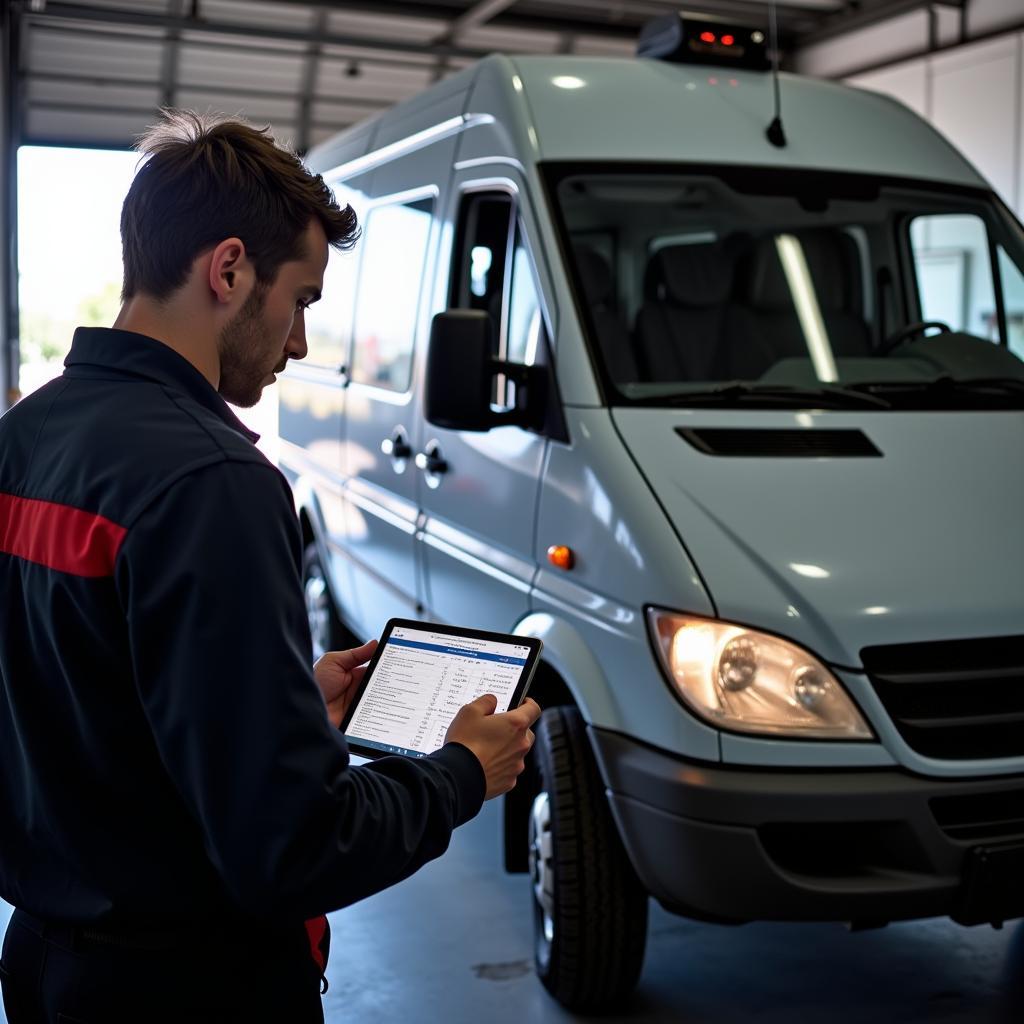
460,377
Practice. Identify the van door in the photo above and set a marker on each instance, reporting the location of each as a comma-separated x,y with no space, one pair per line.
311,428
382,404
479,492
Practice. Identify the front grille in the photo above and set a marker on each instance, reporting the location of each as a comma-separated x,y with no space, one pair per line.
981,815
954,699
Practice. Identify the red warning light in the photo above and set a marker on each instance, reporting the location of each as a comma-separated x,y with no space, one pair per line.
707,37
728,40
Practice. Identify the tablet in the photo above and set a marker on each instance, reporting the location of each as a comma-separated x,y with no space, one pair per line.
422,673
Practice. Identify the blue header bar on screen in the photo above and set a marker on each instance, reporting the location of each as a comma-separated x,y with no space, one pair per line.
463,651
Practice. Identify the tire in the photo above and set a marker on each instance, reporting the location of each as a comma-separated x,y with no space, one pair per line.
590,910
325,626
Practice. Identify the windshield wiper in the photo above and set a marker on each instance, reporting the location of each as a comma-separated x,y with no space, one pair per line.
949,389
773,395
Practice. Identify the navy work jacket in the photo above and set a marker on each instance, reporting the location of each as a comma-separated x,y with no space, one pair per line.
165,752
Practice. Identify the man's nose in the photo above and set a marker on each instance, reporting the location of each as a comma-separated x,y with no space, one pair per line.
296,347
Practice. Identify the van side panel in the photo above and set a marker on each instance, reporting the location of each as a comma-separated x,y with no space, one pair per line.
595,501
382,490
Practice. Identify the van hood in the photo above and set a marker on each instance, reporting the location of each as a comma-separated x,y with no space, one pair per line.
924,541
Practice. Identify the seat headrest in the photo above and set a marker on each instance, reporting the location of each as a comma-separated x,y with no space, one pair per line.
596,276
832,259
689,275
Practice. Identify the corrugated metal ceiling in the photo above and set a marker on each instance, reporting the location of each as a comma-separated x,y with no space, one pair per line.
94,72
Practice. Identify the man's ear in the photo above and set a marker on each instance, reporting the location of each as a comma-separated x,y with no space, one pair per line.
231,274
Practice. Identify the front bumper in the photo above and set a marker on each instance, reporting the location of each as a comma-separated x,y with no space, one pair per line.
866,846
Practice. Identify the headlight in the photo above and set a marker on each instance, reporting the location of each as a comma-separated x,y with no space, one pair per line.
740,679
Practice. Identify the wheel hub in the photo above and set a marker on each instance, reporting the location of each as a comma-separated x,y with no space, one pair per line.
317,613
542,862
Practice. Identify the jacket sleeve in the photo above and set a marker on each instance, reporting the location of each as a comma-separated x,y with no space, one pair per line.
209,576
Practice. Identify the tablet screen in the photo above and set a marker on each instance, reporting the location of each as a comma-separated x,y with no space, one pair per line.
422,676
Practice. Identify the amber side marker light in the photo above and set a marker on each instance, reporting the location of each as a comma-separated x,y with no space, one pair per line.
560,555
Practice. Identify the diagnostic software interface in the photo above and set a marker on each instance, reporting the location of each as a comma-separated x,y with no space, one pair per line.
421,681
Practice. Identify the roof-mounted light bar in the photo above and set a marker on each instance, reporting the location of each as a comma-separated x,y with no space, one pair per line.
701,39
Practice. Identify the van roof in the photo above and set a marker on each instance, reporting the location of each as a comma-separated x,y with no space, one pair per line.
587,108
565,108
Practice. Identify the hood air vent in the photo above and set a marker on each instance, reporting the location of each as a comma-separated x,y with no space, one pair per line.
785,444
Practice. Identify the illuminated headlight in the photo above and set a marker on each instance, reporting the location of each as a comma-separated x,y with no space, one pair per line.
740,679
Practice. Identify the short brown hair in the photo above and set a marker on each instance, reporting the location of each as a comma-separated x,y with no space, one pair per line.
205,178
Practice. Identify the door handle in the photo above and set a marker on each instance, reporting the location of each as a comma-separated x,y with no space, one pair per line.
397,449
396,446
432,462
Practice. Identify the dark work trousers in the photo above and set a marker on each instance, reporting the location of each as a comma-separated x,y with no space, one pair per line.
58,975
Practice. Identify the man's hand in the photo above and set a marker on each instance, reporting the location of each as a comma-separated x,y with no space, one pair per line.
500,742
338,674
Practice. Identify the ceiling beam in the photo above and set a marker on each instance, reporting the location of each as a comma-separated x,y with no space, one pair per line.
308,87
169,62
242,46
865,15
450,11
232,91
127,110
63,12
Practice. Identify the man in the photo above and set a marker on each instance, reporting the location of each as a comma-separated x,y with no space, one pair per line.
176,801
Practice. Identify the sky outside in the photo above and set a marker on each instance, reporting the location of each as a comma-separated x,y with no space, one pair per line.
69,260
69,209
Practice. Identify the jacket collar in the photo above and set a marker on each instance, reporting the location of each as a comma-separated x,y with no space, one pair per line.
138,355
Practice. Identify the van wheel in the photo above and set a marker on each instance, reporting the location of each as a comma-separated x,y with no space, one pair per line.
589,909
325,628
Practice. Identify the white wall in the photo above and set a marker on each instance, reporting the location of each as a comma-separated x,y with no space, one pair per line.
905,36
974,95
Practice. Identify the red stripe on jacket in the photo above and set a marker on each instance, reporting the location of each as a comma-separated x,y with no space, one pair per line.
316,928
59,536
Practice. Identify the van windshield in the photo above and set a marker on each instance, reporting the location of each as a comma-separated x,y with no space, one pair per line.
751,286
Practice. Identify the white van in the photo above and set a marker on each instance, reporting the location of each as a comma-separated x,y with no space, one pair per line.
737,428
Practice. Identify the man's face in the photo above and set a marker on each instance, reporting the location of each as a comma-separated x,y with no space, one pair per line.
270,327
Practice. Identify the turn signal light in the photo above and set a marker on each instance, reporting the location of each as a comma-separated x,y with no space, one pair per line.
561,556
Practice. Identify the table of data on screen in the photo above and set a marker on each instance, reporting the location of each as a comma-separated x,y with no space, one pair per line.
421,681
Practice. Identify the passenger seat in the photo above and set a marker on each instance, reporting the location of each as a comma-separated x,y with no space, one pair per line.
763,327
679,326
601,295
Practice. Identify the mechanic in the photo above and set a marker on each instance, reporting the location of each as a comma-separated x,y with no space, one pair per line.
177,806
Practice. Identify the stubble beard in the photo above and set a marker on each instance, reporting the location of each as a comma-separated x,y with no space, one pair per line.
241,344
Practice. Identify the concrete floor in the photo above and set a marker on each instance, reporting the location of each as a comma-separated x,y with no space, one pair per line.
453,944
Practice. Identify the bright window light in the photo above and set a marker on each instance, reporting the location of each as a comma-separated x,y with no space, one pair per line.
798,276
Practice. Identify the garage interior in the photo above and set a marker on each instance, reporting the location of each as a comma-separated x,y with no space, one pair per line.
454,942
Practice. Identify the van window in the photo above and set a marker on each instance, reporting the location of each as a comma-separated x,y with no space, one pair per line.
524,316
525,324
394,255
481,254
1013,298
329,321
792,289
954,273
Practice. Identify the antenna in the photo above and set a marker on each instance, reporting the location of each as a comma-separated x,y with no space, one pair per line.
776,134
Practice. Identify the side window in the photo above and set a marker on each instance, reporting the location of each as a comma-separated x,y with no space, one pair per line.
394,254
1013,299
329,321
493,272
478,278
954,273
525,322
